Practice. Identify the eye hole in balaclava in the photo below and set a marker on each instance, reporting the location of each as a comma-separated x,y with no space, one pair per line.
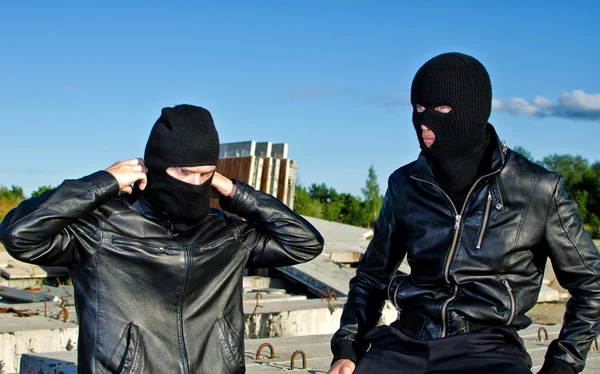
184,135
461,137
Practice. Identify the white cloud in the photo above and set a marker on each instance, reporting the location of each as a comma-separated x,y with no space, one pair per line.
520,106
542,102
575,105
579,100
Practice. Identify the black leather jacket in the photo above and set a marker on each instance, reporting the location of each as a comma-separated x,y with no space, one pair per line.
477,265
151,299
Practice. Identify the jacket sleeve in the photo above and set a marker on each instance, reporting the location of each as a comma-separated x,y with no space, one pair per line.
56,228
576,263
368,288
274,235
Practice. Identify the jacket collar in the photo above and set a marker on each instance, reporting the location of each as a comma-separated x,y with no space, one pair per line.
143,207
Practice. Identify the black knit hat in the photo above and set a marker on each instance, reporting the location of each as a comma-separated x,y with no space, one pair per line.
184,135
461,82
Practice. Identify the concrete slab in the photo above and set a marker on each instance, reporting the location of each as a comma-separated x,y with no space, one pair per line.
299,318
50,363
250,282
321,273
31,335
23,283
14,269
340,237
23,296
272,299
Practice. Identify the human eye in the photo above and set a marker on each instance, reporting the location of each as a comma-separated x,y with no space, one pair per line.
182,171
443,108
420,108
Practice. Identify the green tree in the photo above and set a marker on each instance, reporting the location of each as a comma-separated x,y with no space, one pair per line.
322,193
9,198
573,168
372,197
14,194
304,203
41,190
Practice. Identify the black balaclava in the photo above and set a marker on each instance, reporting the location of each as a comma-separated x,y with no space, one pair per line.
458,154
184,135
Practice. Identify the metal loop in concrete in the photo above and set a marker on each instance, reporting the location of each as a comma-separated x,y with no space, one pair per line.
298,352
260,350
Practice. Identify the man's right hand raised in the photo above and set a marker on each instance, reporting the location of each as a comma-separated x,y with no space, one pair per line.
128,172
343,366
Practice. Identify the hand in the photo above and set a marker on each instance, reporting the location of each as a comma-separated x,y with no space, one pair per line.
221,186
129,172
343,366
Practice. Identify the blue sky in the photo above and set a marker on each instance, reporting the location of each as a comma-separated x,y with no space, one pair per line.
82,85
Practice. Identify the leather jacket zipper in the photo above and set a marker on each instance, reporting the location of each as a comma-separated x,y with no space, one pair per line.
186,259
486,215
150,247
457,221
513,307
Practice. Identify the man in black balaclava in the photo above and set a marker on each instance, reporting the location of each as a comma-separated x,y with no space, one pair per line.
477,223
452,96
157,272
183,136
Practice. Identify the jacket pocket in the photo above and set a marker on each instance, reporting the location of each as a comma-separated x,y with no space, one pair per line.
126,353
231,345
153,248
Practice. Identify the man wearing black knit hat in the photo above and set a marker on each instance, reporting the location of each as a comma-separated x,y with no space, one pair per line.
158,273
477,223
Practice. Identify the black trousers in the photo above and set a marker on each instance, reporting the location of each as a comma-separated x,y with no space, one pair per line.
494,350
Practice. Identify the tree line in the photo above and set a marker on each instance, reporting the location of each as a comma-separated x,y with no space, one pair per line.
582,181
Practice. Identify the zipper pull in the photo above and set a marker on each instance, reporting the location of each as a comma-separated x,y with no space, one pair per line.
506,284
165,250
489,195
457,221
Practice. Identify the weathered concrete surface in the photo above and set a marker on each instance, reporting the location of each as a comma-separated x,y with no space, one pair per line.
48,309
33,334
340,237
14,269
62,362
254,282
321,273
318,355
299,318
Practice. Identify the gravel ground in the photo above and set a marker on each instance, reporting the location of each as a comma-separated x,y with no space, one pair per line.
547,313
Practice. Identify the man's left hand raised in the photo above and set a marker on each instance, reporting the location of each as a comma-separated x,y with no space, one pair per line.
221,186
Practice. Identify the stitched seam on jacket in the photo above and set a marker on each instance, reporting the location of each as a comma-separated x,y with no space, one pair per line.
562,225
526,209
